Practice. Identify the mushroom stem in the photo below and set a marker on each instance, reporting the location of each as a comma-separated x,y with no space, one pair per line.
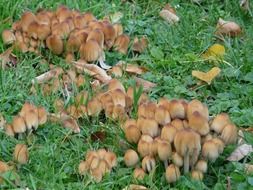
186,162
166,163
103,64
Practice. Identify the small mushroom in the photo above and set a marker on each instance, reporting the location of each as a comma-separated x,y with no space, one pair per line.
18,124
172,173
162,115
98,36
55,44
94,107
229,134
164,151
121,43
118,29
144,145
133,134
131,158
177,159
149,127
201,165
210,150
139,173
31,120
187,144
83,168
219,143
90,51
199,123
176,109
111,159
148,163
119,97
168,133
197,175
8,37
21,154
178,124
219,122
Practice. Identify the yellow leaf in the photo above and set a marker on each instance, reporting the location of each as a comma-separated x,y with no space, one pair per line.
214,52
207,77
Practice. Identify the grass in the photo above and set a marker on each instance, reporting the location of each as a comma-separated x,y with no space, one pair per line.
171,56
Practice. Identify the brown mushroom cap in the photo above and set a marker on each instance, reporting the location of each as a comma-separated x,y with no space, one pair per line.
139,173
172,173
21,153
162,115
83,168
55,44
121,43
176,109
219,143
219,122
90,51
164,150
114,84
144,145
94,107
168,133
8,37
196,105
98,36
131,158
177,159
229,134
199,123
197,175
133,134
201,165
31,119
18,124
178,124
187,144
149,127
210,150
119,97
148,163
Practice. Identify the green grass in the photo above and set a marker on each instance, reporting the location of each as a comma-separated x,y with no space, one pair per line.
171,56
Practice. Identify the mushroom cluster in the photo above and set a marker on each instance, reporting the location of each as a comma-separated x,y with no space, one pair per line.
98,163
178,133
68,32
28,119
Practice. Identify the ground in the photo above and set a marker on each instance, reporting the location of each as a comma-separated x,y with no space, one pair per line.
172,54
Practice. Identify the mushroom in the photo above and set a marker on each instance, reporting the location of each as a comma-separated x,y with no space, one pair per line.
98,36
187,144
42,115
119,113
139,173
162,116
21,154
229,134
110,34
118,97
149,127
26,19
114,84
8,37
83,168
164,151
196,105
31,119
201,166
131,158
9,130
178,124
219,143
176,109
128,122
121,43
118,29
18,124
197,175
148,163
4,167
177,159
150,109
144,145
132,133
94,107
55,44
210,150
172,173
168,133
165,103
90,51
219,122
199,123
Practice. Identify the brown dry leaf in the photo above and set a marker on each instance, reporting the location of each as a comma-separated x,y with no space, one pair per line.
131,68
98,136
227,28
48,75
215,52
147,85
169,16
7,58
135,187
240,152
208,76
139,45
93,70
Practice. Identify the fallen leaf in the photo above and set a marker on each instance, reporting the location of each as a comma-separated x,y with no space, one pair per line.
135,187
71,123
48,75
169,16
215,52
146,84
240,152
98,136
116,17
227,28
207,77
8,59
131,68
139,45
92,70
